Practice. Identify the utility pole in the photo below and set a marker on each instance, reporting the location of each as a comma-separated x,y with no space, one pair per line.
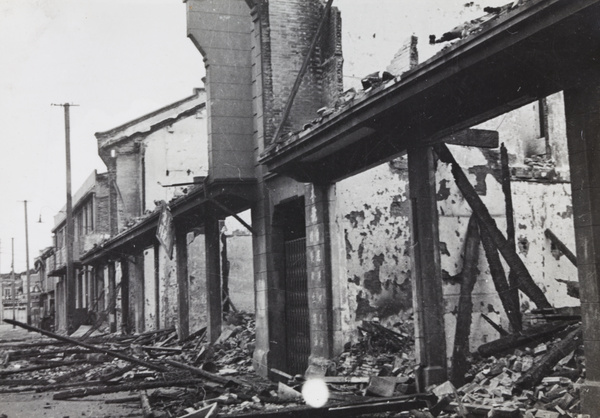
69,287
1,289
28,309
12,276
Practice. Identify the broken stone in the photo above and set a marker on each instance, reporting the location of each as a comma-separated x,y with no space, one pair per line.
381,386
287,393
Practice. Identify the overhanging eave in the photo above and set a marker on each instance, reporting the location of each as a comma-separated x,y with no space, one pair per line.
533,51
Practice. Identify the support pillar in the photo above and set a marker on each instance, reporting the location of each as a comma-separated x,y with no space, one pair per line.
582,110
125,329
318,266
101,297
157,285
112,296
183,291
430,338
213,275
266,281
138,294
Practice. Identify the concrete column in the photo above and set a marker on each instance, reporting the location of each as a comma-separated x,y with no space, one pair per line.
125,328
112,296
138,293
183,301
213,275
318,265
582,110
430,338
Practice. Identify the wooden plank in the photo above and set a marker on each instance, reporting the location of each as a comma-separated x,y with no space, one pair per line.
561,246
199,372
82,392
290,101
480,138
460,363
145,403
487,223
537,332
513,282
547,363
89,346
494,325
513,312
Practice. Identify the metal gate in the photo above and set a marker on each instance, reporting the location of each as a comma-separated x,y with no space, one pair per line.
296,306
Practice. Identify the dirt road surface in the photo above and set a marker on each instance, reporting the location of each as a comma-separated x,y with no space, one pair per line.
33,405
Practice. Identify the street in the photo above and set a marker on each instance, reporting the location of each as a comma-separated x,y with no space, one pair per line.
31,404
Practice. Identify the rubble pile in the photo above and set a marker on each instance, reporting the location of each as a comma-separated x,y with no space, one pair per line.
379,351
539,379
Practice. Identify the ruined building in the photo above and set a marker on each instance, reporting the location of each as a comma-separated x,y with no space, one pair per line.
362,201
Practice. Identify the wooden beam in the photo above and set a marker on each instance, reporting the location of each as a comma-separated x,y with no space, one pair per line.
460,364
232,213
91,347
300,76
427,275
534,333
544,367
513,312
481,138
561,246
513,282
487,223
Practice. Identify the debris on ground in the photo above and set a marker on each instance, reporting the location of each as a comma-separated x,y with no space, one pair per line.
531,377
536,373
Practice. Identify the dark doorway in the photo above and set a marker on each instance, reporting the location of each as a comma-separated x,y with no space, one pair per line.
296,287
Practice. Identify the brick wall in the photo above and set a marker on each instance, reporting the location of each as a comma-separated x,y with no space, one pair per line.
287,29
128,176
102,204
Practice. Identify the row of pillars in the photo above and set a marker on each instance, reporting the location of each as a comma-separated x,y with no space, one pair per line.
130,286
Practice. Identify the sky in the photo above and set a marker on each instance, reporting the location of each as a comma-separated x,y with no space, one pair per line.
120,59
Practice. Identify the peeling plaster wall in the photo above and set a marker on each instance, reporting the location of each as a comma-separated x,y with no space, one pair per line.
374,216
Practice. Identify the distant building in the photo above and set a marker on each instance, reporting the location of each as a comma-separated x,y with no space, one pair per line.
47,286
91,221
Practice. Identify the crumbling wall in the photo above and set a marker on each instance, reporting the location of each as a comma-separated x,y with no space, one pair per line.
374,214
